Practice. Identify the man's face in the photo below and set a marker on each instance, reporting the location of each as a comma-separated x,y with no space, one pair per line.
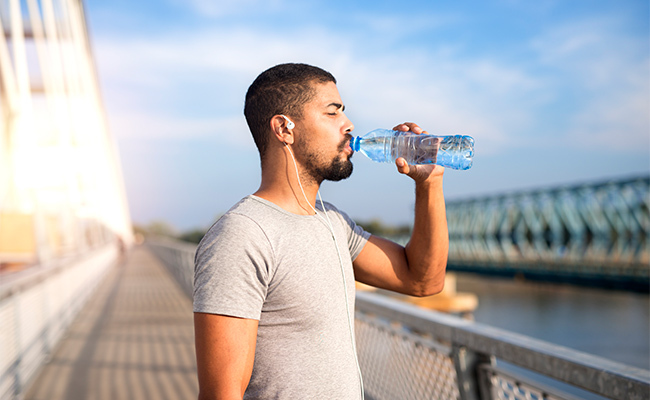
324,141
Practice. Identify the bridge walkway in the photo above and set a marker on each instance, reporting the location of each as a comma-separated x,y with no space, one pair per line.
134,339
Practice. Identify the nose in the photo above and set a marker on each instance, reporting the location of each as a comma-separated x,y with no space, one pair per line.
349,126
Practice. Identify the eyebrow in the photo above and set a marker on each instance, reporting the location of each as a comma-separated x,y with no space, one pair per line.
337,105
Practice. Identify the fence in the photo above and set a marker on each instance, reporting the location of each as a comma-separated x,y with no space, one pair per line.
37,306
411,353
407,352
178,257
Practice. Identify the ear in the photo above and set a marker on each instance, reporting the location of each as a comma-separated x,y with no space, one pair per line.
281,129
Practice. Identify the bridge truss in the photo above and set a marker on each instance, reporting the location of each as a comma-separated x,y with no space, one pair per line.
61,186
595,233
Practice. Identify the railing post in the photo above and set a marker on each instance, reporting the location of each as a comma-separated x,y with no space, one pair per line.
467,365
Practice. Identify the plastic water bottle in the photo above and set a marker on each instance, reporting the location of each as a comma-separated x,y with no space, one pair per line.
385,145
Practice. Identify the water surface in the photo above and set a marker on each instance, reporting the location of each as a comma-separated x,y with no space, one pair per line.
609,324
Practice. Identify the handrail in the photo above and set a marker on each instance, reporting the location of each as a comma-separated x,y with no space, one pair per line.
178,257
598,375
38,306
14,282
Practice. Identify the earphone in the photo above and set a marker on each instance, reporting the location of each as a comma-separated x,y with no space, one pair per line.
328,223
290,124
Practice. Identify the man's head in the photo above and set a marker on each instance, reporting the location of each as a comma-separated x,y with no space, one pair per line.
283,89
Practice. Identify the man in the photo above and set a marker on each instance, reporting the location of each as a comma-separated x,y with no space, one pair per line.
274,277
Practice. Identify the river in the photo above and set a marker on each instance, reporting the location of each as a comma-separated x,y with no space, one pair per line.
610,324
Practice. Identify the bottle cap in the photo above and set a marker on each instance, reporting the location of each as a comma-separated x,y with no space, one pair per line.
355,143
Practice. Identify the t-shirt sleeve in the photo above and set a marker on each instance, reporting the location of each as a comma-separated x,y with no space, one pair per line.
231,271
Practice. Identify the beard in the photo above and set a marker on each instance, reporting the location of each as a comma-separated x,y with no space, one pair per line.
336,170
339,169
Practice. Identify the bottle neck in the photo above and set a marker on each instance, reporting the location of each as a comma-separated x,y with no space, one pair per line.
355,143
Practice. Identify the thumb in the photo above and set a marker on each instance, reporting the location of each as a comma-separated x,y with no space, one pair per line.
402,166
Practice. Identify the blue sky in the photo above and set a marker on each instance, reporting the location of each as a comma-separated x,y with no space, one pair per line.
554,92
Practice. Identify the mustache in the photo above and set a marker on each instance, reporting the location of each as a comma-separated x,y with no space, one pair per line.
345,142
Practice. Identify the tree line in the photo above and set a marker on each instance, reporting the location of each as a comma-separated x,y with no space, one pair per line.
194,235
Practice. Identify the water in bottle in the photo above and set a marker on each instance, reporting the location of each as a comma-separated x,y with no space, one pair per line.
384,145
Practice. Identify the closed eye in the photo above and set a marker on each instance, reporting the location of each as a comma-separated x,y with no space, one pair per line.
337,106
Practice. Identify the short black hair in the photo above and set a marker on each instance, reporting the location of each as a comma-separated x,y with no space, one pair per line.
282,89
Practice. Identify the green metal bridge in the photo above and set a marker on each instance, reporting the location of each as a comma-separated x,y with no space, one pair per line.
594,233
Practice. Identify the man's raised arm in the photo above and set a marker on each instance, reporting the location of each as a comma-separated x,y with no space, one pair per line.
419,268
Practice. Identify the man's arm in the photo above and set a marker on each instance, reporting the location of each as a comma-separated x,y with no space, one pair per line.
419,268
225,350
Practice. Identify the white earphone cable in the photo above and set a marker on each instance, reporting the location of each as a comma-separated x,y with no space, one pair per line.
338,252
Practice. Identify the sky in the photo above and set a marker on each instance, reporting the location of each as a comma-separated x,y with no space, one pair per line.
553,92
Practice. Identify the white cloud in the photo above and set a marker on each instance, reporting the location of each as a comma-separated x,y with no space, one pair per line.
221,8
146,125
191,83
439,92
610,71
619,121
496,101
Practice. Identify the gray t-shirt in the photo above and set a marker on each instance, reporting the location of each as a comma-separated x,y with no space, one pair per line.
262,262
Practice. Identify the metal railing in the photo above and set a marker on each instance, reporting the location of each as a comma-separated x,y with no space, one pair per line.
178,258
407,352
410,352
36,308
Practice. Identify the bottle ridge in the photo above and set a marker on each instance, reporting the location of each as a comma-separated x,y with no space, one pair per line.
385,145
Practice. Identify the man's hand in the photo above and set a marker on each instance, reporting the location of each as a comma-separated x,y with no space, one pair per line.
419,173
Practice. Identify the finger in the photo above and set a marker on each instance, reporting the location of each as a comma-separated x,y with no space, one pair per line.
402,166
415,128
402,127
409,126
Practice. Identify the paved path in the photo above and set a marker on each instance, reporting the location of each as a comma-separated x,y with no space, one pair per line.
133,340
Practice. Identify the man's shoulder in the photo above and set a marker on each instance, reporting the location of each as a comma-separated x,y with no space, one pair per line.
240,219
249,205
332,209
256,208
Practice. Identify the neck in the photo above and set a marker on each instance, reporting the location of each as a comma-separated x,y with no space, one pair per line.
281,185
